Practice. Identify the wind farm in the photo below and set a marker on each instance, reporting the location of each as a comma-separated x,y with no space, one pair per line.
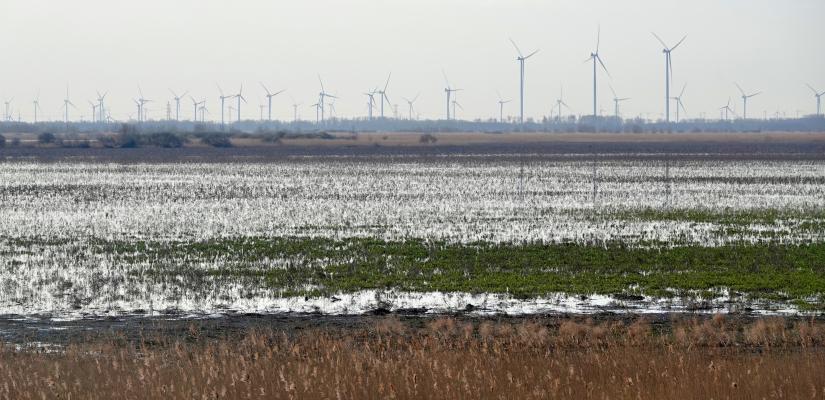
360,199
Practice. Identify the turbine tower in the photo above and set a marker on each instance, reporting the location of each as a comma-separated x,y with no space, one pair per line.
668,71
449,91
501,104
594,56
371,103
679,102
240,97
383,94
521,58
94,111
177,103
269,97
196,104
6,114
141,101
223,99
36,106
100,108
818,99
616,101
727,110
66,104
745,98
321,97
410,104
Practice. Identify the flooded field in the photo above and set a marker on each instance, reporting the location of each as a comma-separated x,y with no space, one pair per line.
350,234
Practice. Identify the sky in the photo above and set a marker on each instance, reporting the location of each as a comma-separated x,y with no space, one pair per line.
116,46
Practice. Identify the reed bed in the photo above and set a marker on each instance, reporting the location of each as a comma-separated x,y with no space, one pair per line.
443,358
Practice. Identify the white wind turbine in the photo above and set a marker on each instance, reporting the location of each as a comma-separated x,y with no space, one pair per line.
616,101
668,72
383,94
141,102
294,109
196,104
679,104
66,104
371,102
727,110
818,99
501,104
177,103
94,111
560,102
521,58
449,91
223,100
240,97
36,103
410,104
322,95
100,109
7,114
269,97
745,98
595,57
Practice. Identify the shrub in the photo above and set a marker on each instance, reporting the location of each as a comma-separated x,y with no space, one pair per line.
163,139
2,141
427,138
46,138
216,140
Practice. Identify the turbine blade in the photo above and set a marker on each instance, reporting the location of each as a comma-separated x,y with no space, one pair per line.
740,88
516,46
531,54
611,90
659,39
812,89
265,88
683,90
388,81
321,82
598,38
680,42
598,57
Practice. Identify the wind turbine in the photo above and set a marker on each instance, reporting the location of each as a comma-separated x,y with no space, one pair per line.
521,58
456,104
294,110
317,111
196,104
100,108
177,103
449,91
323,94
679,102
223,99
410,103
616,101
668,72
6,115
727,109
383,94
66,104
141,102
595,57
240,97
818,99
371,103
36,106
94,111
269,97
745,98
203,111
560,102
501,104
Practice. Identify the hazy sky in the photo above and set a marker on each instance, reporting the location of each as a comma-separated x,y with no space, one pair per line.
115,45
